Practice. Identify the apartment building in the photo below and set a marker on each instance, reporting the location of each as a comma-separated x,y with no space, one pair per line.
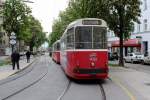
4,39
140,37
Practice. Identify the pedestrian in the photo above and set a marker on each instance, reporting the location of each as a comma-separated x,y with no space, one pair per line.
15,57
28,53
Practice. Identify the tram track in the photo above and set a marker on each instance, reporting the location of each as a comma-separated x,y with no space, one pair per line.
28,86
12,78
65,91
103,95
15,93
19,74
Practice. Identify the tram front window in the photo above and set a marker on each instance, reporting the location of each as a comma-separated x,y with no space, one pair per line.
83,37
89,37
99,38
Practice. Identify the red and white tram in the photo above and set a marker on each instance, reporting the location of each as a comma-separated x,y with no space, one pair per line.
84,53
56,51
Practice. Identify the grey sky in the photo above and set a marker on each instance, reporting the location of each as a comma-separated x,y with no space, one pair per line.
47,10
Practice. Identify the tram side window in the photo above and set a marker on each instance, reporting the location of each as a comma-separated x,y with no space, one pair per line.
58,46
83,37
63,43
99,38
70,38
55,47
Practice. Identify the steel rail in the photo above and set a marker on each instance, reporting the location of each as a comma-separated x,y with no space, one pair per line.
17,77
65,91
103,94
28,86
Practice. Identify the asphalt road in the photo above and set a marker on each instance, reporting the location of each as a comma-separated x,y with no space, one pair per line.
136,66
47,81
139,67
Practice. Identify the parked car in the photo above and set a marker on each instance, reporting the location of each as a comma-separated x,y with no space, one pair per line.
134,57
146,59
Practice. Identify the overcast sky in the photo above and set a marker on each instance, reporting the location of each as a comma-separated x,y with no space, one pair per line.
47,10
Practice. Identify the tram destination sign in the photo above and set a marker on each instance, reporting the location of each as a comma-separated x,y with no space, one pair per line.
91,22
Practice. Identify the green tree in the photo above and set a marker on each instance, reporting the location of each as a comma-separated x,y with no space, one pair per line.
34,33
120,16
18,19
15,16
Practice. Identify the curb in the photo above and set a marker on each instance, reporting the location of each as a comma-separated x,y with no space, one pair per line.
23,68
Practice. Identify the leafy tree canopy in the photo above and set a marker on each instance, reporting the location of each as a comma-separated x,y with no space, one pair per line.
109,10
15,16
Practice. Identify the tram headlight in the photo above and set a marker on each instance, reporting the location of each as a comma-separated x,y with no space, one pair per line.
92,64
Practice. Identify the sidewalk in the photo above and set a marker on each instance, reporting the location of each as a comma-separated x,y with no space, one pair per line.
137,82
6,70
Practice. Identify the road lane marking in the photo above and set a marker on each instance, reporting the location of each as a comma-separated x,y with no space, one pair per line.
127,91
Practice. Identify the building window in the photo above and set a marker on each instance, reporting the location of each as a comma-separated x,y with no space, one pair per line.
145,4
138,27
145,24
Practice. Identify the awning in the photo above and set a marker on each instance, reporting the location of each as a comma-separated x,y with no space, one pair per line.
127,43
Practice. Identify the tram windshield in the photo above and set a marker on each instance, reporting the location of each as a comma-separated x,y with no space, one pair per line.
83,37
99,38
89,37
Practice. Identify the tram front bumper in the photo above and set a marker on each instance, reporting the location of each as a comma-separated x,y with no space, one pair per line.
90,73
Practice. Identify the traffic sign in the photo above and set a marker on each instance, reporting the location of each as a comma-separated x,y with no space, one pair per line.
12,42
13,37
12,33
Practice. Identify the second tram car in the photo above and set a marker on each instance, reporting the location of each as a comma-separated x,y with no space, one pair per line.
84,53
56,51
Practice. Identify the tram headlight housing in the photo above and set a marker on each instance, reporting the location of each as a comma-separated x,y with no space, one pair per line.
92,64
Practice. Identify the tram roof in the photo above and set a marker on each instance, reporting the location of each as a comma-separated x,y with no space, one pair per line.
79,22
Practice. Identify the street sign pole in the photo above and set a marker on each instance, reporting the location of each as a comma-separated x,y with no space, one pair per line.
12,40
12,46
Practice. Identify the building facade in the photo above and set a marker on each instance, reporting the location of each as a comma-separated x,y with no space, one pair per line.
4,39
140,37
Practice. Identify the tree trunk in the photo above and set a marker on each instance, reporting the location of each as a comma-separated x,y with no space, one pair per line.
31,46
121,62
19,48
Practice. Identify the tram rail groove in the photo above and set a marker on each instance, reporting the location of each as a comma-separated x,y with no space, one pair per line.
15,78
28,86
102,91
64,91
25,87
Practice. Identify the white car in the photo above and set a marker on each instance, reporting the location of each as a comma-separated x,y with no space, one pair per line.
146,59
134,57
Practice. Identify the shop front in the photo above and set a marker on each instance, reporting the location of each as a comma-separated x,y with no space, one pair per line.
130,45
